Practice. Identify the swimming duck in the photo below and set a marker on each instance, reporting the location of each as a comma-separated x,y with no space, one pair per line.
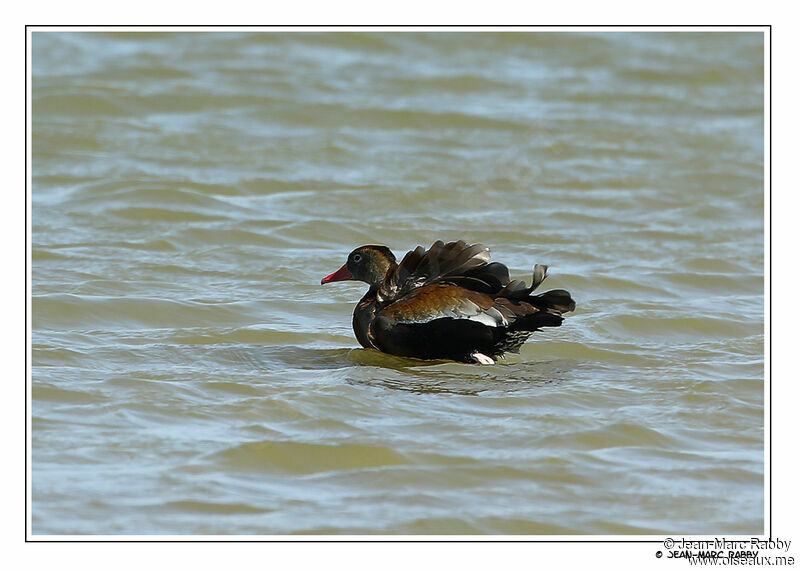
447,302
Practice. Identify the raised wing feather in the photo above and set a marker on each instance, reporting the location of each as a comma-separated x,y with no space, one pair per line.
451,262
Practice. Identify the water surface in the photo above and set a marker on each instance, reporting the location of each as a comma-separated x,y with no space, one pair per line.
191,376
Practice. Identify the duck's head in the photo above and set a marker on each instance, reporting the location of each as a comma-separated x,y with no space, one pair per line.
368,264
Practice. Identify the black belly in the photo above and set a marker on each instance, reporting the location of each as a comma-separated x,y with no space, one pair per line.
443,338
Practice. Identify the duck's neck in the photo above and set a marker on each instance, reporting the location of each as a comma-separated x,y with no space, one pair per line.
369,305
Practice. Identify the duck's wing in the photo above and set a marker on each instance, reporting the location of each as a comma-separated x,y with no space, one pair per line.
446,300
439,300
457,263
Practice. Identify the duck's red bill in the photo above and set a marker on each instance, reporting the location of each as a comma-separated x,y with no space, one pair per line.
338,276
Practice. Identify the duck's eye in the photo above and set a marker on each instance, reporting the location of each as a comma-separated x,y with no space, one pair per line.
357,258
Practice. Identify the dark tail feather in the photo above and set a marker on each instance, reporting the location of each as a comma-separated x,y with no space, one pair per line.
535,321
518,290
551,304
556,300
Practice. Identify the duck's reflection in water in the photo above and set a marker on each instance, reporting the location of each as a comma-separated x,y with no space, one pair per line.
455,378
368,367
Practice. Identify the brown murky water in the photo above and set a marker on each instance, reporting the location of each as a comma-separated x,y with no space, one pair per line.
190,375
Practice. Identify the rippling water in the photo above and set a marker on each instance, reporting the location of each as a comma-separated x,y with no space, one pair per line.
190,375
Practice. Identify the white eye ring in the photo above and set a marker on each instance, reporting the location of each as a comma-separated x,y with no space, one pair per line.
357,258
